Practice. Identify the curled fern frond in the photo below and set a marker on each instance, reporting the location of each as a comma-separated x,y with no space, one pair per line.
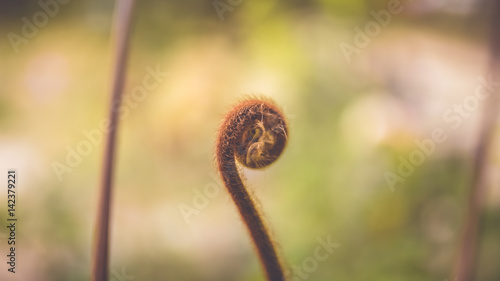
254,133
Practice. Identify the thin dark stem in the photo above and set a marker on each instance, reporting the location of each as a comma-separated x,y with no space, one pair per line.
253,221
467,258
123,15
255,134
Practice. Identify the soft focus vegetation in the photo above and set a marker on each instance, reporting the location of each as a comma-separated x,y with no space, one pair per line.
350,123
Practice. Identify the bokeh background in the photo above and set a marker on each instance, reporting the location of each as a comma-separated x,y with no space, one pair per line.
350,122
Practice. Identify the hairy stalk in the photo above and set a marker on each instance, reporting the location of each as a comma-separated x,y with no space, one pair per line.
123,15
465,269
254,132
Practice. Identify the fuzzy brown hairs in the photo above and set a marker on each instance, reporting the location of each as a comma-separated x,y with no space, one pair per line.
254,133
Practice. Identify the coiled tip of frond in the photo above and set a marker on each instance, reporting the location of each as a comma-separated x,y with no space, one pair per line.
257,130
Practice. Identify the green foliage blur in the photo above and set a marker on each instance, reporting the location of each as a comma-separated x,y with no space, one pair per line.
357,114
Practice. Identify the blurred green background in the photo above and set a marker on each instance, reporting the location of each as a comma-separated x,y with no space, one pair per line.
351,118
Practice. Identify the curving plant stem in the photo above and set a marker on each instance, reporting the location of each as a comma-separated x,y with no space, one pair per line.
465,268
254,133
123,15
